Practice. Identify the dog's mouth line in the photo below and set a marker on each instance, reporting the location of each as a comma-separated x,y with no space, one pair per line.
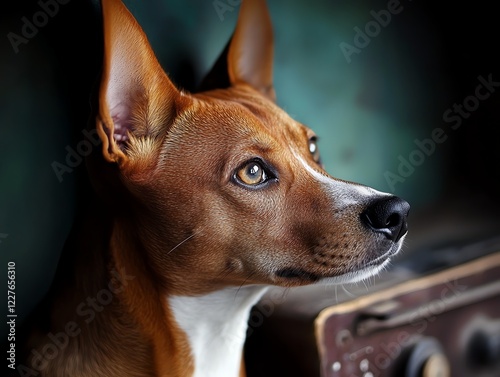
297,273
383,258
293,273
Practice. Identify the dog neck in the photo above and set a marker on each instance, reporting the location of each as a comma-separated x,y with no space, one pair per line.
215,325
195,336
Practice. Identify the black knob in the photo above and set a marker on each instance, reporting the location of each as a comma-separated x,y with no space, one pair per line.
484,345
427,359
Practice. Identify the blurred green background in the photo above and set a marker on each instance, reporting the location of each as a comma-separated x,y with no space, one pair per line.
368,112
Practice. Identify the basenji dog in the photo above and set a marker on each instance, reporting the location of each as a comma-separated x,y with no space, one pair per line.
199,202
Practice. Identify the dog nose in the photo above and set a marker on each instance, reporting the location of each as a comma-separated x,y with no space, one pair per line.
388,216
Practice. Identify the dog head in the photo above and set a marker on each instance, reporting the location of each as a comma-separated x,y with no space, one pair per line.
222,187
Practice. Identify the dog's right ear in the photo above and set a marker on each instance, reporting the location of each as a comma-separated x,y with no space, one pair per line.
137,101
248,57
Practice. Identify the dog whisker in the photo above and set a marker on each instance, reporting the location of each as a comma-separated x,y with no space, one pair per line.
347,292
182,242
242,285
224,273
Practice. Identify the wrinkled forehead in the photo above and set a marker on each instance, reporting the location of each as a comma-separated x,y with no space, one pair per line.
247,113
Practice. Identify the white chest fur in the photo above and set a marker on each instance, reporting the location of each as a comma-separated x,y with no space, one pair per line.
215,325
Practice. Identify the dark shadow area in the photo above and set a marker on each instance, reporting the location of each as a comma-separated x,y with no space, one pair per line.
48,73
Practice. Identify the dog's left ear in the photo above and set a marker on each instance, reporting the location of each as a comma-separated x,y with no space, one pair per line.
137,100
248,58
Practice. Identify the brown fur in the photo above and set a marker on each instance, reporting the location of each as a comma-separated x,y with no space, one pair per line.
167,217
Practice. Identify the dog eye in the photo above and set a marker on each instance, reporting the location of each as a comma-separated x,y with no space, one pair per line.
252,174
314,150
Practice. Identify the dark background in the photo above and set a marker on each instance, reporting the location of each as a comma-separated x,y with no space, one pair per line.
368,112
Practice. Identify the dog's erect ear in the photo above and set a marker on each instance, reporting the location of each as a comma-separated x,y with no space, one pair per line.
248,58
137,101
